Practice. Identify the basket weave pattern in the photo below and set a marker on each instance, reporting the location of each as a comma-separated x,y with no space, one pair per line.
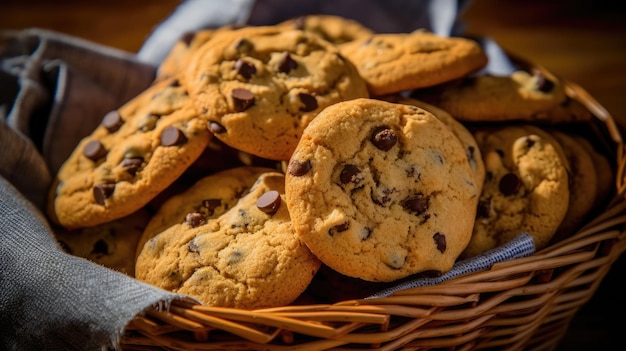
525,303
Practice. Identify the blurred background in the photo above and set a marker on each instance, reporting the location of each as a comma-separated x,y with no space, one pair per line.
584,42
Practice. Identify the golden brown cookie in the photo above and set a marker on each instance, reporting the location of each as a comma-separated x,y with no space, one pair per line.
380,191
394,62
335,29
526,187
259,87
137,151
246,257
521,96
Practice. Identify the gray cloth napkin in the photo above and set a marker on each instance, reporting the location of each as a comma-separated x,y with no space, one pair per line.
54,90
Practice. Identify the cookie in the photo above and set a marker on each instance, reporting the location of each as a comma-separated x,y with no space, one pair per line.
332,28
247,257
259,87
176,59
583,184
522,96
380,191
526,188
137,151
111,244
209,197
466,138
394,62
605,173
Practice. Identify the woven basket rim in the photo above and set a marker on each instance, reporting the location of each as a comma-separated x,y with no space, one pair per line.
523,303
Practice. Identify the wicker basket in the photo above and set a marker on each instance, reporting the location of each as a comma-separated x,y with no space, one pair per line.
525,303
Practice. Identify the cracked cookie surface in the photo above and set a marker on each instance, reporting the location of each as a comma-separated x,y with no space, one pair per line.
245,256
380,191
137,151
259,87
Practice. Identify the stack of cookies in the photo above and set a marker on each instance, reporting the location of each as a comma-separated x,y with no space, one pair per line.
265,157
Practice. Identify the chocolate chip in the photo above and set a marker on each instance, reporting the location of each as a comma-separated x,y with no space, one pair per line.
339,228
131,165
242,99
103,191
417,204
194,219
215,128
94,150
543,84
384,138
440,242
172,136
309,102
287,63
529,142
299,168
245,69
351,174
211,205
112,121
244,46
484,208
509,184
100,248
192,246
269,202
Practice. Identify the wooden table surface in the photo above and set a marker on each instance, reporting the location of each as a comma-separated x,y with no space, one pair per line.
584,42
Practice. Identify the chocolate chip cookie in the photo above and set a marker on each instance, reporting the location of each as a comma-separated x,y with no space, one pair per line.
259,87
137,151
380,191
394,62
522,96
246,257
526,188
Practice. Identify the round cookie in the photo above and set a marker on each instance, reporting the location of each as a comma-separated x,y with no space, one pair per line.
522,96
583,184
248,257
466,138
380,191
111,244
260,86
394,62
135,153
335,29
526,187
209,197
